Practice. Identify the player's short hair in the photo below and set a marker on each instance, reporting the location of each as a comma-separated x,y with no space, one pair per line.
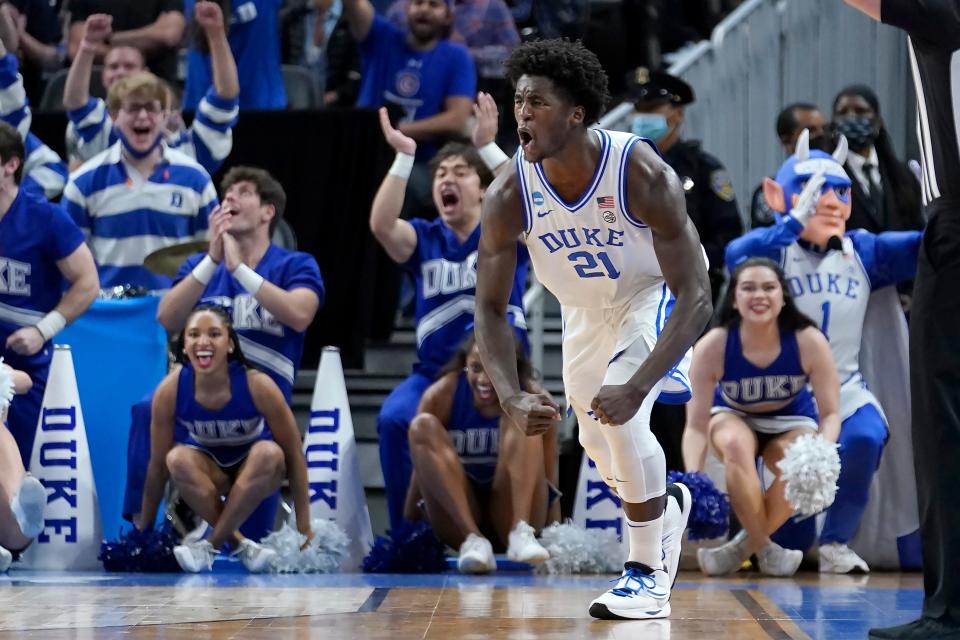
11,146
787,118
469,153
143,84
268,188
573,69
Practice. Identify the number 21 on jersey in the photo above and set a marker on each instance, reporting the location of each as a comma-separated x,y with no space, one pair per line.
589,265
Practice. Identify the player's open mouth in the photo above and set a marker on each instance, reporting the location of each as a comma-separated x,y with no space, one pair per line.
525,137
204,358
760,308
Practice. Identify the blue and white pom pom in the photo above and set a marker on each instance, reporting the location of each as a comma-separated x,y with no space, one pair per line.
324,554
575,549
411,548
810,468
6,387
141,551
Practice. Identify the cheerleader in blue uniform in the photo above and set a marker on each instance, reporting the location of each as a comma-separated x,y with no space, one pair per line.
22,497
750,381
210,434
475,471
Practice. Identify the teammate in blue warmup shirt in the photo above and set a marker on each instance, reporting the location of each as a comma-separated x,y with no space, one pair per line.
221,430
831,273
47,279
475,470
22,497
754,369
272,294
442,258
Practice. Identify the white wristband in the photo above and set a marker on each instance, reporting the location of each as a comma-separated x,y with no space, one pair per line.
248,279
51,324
492,155
402,166
203,272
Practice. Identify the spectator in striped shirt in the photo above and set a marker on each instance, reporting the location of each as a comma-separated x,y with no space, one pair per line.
139,195
44,172
209,139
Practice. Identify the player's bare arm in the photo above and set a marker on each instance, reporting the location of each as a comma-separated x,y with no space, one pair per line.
502,224
656,197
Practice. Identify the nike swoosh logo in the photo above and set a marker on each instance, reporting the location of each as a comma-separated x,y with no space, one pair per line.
544,214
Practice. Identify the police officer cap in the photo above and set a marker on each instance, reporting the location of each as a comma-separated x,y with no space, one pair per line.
657,86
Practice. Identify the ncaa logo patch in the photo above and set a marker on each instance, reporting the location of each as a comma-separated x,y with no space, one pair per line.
609,216
537,198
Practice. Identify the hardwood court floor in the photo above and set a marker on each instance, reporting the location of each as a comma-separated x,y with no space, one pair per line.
516,606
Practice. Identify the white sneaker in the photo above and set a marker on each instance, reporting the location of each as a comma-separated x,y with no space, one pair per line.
776,561
523,545
195,557
675,516
839,558
725,559
28,505
476,555
640,593
6,558
255,557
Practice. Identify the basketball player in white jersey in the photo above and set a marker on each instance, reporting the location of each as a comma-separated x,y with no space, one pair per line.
604,220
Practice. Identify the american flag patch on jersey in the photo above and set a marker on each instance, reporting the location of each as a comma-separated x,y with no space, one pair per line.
605,202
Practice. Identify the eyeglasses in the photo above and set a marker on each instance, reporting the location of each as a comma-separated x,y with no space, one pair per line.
134,108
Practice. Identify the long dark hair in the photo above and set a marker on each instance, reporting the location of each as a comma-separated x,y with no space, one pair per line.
458,361
906,188
790,320
220,312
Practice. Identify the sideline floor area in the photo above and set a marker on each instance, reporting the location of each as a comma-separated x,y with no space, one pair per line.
444,606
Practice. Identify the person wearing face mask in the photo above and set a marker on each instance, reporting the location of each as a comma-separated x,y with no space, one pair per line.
660,100
831,274
791,121
139,195
886,194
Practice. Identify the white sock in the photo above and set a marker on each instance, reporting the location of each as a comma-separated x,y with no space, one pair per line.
646,543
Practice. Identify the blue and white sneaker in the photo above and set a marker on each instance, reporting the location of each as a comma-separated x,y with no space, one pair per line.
675,516
641,593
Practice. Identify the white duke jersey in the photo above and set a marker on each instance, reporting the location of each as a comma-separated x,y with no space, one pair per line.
833,287
589,253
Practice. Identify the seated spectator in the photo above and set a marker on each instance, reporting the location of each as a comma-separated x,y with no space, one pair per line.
254,38
154,27
270,317
474,470
660,101
208,140
222,473
791,121
138,196
886,194
441,256
426,82
44,172
761,335
49,278
22,497
832,273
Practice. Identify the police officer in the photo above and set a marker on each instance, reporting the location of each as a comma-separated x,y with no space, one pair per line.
660,100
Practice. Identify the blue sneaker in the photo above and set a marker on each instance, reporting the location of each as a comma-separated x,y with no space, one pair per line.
641,593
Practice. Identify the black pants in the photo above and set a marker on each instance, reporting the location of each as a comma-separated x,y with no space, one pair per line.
935,387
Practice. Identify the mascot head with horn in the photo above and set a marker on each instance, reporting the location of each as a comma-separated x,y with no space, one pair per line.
829,219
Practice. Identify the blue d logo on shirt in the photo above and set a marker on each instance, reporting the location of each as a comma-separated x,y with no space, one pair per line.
537,198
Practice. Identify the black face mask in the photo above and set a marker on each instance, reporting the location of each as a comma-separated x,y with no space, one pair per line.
858,130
